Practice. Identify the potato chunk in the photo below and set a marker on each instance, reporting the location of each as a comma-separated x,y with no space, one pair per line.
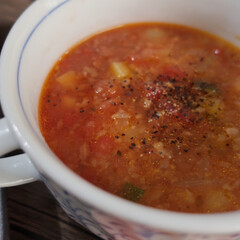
120,70
69,102
68,79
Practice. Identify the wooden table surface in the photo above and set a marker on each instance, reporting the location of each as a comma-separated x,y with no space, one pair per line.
33,214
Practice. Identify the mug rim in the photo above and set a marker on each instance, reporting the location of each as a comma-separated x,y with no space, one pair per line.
214,223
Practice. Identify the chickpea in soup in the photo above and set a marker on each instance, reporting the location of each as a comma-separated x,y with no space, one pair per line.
150,112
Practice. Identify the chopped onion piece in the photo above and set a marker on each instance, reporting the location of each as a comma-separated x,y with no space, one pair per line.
84,151
147,103
232,132
121,114
216,201
154,34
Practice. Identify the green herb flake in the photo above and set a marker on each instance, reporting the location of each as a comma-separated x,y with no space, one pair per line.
132,192
210,88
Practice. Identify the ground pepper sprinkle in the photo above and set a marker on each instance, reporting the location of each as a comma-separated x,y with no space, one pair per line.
159,122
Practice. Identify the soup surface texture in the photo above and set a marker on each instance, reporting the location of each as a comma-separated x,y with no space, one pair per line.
150,112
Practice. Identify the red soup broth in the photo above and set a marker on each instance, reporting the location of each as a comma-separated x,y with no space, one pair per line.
149,112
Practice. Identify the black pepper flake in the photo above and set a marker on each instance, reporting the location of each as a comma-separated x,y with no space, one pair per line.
81,111
204,136
131,147
155,115
133,144
121,103
131,138
114,104
173,80
119,153
49,101
227,144
144,141
116,137
185,150
155,132
111,86
123,134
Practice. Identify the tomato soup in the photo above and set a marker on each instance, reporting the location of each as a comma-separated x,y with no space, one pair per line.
151,113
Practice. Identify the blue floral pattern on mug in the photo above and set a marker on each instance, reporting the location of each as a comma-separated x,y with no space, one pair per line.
111,228
77,210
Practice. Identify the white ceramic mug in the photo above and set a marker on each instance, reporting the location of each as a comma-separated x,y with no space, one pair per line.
41,35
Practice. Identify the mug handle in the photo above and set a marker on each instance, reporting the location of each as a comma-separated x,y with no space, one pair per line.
15,170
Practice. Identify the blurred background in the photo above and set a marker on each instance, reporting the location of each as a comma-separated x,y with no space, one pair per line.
9,11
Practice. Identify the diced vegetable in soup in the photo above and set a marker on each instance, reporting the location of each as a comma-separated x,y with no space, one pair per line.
151,113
